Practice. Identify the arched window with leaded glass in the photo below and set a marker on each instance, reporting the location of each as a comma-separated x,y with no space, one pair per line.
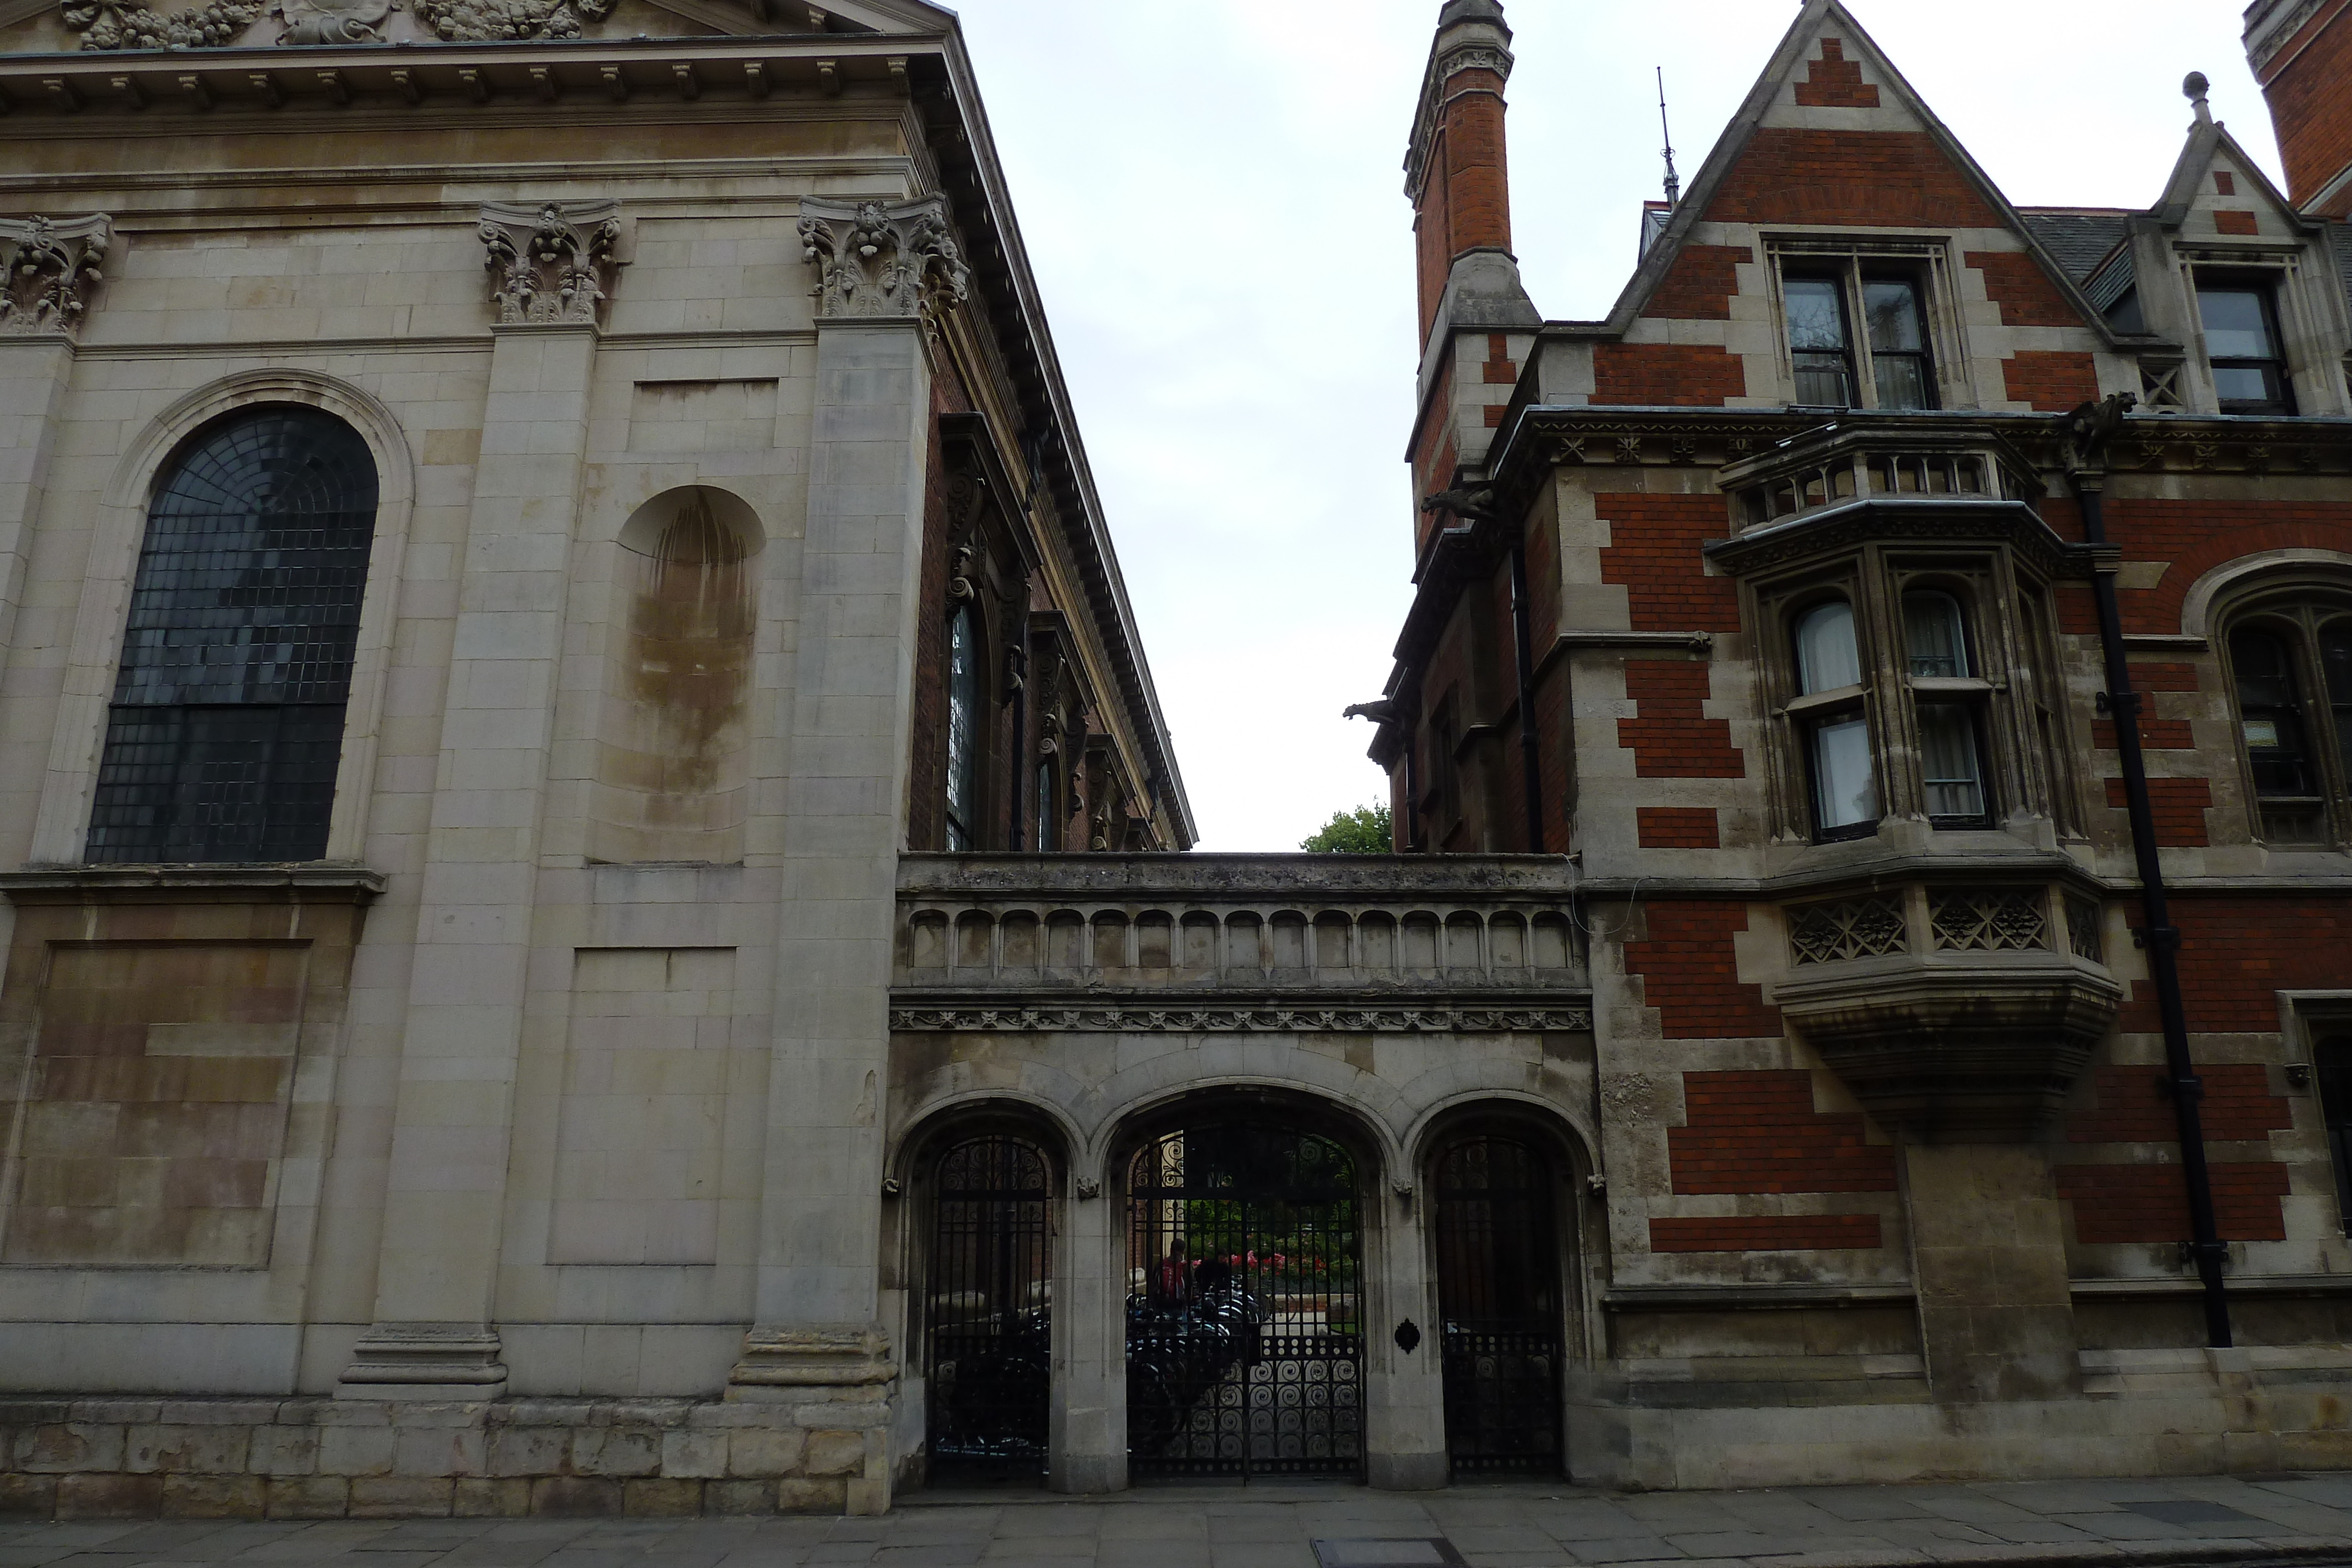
964,665
227,718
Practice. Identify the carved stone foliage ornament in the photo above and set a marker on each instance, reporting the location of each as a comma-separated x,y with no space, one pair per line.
552,264
475,21
883,259
126,24
52,271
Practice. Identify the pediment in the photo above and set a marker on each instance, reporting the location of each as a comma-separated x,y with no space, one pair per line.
44,26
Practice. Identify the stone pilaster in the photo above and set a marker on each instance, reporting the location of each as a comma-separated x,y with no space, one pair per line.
445,1189
1089,1444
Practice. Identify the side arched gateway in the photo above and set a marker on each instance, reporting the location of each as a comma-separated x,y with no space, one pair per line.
1498,1296
988,1314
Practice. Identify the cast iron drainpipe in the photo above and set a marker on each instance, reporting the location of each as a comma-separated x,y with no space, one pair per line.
2091,425
1530,743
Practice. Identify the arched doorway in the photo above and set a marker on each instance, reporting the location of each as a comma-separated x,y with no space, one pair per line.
1498,1295
988,1314
1244,1327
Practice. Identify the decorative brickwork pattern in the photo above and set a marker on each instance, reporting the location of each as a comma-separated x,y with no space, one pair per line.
1793,176
2233,222
2051,382
1700,285
2135,1106
1692,977
1671,738
1666,375
2150,1203
2017,284
1768,1233
1833,81
1679,828
2155,733
2197,535
2238,953
1758,1133
2179,806
1653,554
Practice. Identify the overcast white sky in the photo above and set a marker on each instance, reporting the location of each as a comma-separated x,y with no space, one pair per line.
1211,195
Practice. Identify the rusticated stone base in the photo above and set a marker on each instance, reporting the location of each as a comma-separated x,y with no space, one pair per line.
343,1458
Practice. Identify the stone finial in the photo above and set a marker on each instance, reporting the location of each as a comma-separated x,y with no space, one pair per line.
2194,87
888,260
550,264
52,271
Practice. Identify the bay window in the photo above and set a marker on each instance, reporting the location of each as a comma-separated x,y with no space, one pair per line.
2291,673
1830,708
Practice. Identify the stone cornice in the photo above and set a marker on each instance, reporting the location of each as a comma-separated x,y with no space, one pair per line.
318,883
1253,879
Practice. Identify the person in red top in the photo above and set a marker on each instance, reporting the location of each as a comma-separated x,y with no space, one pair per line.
1172,1282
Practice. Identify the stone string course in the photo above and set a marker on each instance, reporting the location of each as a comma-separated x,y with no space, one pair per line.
328,1459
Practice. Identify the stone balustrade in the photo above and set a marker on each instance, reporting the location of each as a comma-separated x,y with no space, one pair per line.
1302,937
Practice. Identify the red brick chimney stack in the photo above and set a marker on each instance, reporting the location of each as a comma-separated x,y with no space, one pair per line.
1457,171
2302,54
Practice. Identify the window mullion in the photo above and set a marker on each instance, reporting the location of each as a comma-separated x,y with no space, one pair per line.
1857,336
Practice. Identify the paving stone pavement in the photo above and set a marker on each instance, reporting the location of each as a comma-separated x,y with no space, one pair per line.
2249,1520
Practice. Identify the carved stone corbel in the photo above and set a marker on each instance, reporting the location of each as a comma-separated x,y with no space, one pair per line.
52,271
889,260
552,264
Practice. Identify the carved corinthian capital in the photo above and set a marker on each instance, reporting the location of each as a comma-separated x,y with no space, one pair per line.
550,264
52,271
886,259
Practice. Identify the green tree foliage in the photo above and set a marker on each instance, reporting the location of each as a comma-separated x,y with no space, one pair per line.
1367,831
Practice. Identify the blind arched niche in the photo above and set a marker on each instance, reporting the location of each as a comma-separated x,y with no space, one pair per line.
673,752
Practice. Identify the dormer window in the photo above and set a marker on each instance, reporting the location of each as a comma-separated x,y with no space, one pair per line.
2243,346
1886,364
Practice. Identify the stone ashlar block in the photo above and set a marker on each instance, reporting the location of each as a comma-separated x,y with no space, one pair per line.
658,1413
402,1497
355,1451
309,1497
440,1451
765,1451
693,1456
660,1497
842,1417
540,1413
834,1454
283,1451
185,1450
740,1497
115,1412
576,1496
218,1413
479,1497
215,1496
28,1497
62,1450
615,1453
109,1497
35,1412
530,1451
804,1494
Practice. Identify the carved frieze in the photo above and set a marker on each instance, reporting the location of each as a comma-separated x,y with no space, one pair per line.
552,264
333,21
475,21
126,24
54,271
1112,1018
883,259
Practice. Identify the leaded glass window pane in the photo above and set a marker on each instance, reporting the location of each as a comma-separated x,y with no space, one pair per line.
963,728
1844,795
1827,656
236,654
1933,635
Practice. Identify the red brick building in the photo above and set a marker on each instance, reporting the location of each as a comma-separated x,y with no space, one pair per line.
1798,602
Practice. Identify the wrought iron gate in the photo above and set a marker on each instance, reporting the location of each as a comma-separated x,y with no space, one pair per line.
1499,1298
988,1320
1244,1317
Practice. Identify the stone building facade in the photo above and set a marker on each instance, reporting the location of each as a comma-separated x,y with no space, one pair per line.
593,917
